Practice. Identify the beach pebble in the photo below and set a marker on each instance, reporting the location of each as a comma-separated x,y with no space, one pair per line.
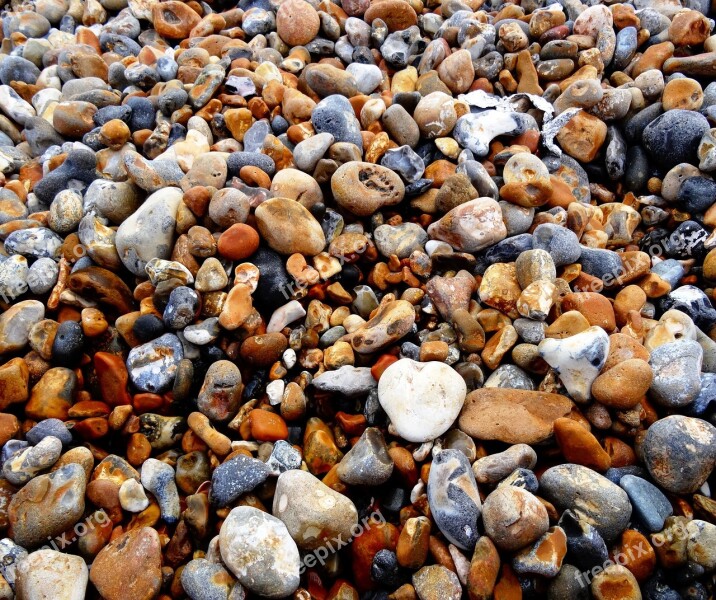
313,513
139,553
454,499
680,453
66,575
608,509
368,461
258,549
677,373
513,518
421,399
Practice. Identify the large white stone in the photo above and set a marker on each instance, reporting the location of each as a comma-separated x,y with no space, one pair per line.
51,575
422,399
260,552
577,360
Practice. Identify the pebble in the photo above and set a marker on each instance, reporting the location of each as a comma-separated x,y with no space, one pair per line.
152,366
288,227
158,478
314,514
367,462
47,505
512,416
66,575
139,553
436,580
422,400
236,477
471,226
203,579
454,499
608,508
148,233
680,452
363,188
577,359
649,503
22,467
513,518
677,367
258,549
132,496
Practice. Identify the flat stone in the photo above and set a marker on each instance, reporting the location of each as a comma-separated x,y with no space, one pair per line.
512,416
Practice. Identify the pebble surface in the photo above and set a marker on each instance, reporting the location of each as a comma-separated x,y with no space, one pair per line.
357,300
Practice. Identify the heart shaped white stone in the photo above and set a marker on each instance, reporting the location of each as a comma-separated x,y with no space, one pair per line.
422,399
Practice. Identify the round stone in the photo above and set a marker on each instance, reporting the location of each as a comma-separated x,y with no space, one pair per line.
680,453
421,399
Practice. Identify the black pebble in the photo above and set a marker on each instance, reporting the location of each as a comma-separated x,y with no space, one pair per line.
147,328
67,347
385,569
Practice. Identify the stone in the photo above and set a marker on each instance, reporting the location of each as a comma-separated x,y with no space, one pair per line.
674,137
236,477
391,321
288,227
624,385
363,188
700,543
258,549
44,570
454,500
435,115
314,514
512,416
513,518
615,577
47,505
676,367
367,462
148,233
475,131
16,323
437,581
582,136
422,400
297,22
22,467
153,366
579,446
577,359
649,503
496,467
608,508
206,580
471,226
139,553
132,497
347,380
158,478
545,557
220,392
680,453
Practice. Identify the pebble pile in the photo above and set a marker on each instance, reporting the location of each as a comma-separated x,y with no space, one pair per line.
357,300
